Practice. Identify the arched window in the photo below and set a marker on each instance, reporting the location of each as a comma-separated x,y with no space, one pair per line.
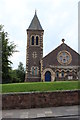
34,70
32,40
37,40
62,73
57,73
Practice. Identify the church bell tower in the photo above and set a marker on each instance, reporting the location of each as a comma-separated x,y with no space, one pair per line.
34,51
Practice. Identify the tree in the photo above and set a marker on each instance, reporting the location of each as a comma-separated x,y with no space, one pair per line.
21,72
8,48
18,75
0,57
14,76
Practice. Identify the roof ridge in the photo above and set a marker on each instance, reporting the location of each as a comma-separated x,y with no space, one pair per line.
52,51
58,47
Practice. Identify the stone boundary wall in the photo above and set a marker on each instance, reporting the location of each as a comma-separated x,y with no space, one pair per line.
40,99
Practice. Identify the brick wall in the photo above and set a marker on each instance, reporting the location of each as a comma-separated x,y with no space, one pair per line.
39,99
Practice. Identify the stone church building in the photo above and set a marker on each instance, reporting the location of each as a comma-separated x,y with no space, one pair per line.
60,64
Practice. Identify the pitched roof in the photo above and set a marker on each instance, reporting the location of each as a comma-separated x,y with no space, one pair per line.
51,58
35,24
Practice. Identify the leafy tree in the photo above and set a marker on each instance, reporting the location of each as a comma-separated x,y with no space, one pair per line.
18,75
21,72
0,57
8,48
14,76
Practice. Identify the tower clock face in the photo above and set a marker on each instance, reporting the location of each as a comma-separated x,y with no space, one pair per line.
64,57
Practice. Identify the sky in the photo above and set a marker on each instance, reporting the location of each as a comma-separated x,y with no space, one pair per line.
58,18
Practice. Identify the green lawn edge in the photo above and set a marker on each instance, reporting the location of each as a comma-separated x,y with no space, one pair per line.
40,86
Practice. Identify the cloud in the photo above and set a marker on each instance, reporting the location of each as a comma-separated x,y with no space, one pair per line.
59,18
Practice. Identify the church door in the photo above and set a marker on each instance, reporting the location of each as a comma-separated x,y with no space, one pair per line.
47,76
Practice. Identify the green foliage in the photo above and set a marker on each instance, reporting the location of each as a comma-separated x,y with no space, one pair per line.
18,75
8,48
21,72
40,86
0,57
14,77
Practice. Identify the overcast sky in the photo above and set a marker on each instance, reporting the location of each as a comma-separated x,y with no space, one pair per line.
59,19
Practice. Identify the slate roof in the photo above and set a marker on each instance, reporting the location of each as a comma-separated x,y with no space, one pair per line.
35,24
51,58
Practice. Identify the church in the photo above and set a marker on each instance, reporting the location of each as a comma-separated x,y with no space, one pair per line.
60,64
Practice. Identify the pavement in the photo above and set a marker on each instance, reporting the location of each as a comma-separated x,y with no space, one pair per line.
43,113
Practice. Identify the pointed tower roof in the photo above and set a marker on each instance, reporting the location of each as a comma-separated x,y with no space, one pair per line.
35,24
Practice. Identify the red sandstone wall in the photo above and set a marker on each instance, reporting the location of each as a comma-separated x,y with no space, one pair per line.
39,99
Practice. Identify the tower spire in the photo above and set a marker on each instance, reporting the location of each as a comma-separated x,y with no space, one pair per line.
35,12
35,23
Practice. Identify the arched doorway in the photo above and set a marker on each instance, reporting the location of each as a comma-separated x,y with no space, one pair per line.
48,72
48,76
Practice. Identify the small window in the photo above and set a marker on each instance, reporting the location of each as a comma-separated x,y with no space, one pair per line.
32,70
64,60
35,70
61,58
57,73
70,77
67,57
32,40
37,40
64,54
62,73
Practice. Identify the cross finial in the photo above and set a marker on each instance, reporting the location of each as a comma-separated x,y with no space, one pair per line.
63,40
35,12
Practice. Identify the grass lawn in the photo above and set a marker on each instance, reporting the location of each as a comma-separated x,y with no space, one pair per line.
40,86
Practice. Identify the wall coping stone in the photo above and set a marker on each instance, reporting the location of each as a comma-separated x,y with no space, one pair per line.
35,92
